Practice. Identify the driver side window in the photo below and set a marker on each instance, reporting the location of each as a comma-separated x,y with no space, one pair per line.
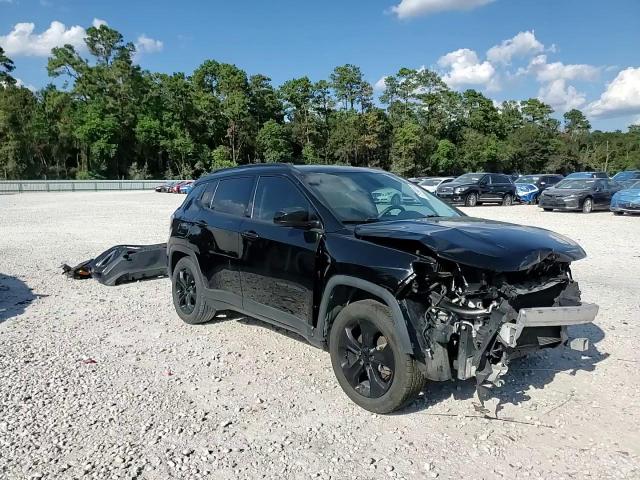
276,194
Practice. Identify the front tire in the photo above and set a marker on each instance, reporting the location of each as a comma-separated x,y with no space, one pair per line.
618,213
548,209
368,360
187,289
471,200
587,205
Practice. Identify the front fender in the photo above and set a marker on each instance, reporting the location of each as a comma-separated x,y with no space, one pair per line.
399,318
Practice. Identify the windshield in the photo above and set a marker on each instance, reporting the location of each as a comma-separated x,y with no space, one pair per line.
430,182
469,178
358,197
575,184
528,179
622,176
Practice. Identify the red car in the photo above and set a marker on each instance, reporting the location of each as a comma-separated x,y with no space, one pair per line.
175,188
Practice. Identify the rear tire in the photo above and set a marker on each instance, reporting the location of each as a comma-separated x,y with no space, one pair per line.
548,209
507,200
187,289
618,213
587,205
471,200
368,361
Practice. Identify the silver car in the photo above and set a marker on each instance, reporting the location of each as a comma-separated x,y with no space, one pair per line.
431,184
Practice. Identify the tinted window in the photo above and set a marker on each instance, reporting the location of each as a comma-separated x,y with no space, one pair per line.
275,194
232,195
497,179
207,194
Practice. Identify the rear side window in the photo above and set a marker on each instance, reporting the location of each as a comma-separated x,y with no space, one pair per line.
232,195
495,179
275,194
207,194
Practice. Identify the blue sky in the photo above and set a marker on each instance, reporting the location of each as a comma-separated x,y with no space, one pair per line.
570,53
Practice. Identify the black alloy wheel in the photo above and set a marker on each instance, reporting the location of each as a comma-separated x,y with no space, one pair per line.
368,359
186,290
367,362
188,293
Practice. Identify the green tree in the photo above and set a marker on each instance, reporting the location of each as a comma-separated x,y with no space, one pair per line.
6,67
273,143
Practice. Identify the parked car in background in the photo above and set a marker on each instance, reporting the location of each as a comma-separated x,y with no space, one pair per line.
431,184
539,182
416,180
175,188
472,189
587,175
626,200
391,196
586,194
185,187
164,188
627,176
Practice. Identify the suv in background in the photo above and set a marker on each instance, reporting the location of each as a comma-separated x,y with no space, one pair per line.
396,293
472,189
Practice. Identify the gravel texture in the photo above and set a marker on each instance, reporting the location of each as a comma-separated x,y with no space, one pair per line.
107,382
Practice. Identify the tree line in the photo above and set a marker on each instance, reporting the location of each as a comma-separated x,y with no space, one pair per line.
111,119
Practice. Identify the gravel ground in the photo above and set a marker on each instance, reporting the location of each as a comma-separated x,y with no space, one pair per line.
107,382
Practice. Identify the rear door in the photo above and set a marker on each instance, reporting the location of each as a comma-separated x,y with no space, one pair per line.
217,235
278,262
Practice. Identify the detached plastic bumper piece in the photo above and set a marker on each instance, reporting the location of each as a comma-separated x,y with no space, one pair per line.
122,264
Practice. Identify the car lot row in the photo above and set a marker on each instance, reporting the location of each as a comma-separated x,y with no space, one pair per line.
580,191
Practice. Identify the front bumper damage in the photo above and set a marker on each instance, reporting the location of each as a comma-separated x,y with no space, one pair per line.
475,322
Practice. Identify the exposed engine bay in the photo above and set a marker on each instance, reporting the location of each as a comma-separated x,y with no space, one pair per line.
473,322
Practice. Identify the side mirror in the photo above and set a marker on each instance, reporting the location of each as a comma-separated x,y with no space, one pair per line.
296,217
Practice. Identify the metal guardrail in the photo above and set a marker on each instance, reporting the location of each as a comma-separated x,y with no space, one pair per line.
21,186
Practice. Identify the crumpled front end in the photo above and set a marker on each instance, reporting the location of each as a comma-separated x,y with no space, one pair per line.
473,322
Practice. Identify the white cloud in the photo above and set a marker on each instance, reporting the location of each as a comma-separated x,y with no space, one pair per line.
98,22
20,83
380,84
548,72
22,41
560,96
621,97
146,44
522,45
466,69
413,8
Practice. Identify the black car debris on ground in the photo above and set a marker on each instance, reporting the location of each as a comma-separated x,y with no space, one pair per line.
579,194
472,189
398,294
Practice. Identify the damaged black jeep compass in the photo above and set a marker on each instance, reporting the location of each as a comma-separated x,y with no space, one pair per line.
397,291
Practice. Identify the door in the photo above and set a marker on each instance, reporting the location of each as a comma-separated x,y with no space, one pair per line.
278,262
484,187
216,234
601,194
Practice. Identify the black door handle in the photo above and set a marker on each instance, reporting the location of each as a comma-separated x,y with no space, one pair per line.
250,235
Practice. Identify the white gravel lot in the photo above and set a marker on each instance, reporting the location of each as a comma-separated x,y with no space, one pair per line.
107,382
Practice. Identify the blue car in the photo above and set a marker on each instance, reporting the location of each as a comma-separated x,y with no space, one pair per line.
627,175
527,192
627,200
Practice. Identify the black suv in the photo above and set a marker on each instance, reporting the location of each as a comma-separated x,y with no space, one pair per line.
397,293
472,189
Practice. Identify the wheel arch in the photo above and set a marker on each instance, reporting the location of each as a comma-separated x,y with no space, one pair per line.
341,290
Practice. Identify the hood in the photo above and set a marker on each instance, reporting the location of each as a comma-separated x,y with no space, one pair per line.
477,242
